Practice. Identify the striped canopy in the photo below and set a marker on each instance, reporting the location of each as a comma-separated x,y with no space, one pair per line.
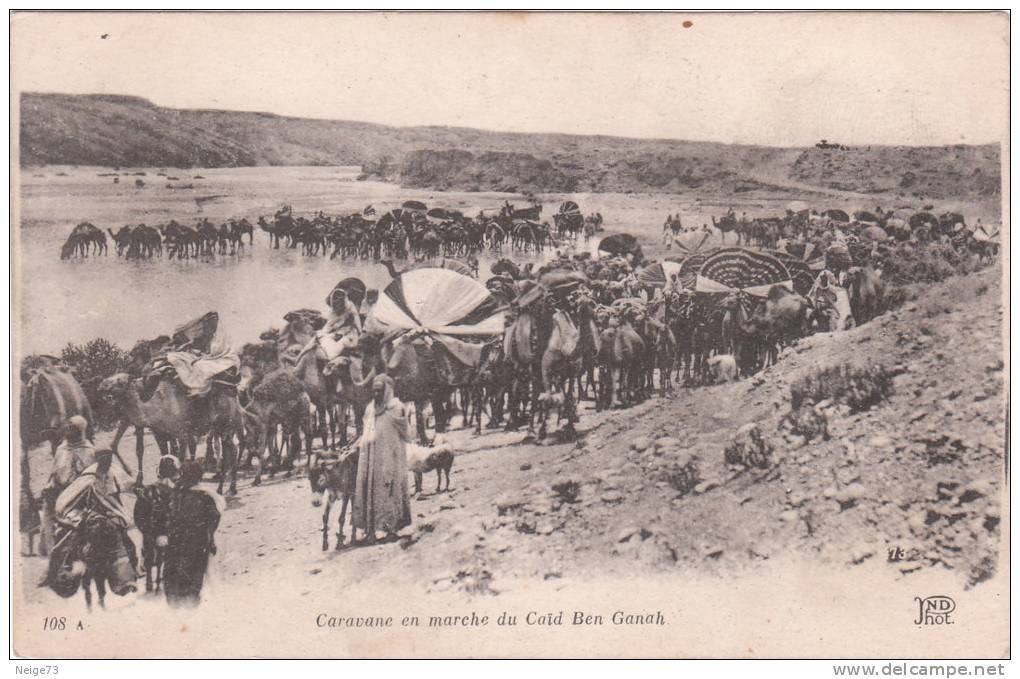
692,242
658,274
442,304
740,269
801,273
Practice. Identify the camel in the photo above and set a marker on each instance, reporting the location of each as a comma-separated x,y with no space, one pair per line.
419,380
239,228
866,292
49,396
121,239
561,362
726,224
279,401
353,390
660,339
620,357
280,227
590,344
544,344
172,415
489,383
82,238
133,417
308,367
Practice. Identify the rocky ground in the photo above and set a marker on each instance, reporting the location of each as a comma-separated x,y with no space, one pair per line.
649,491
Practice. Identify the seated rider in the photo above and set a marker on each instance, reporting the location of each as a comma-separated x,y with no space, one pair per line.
343,326
74,455
343,315
108,488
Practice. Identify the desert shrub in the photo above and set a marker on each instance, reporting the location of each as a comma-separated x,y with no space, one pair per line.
908,263
858,387
809,422
682,474
749,448
91,363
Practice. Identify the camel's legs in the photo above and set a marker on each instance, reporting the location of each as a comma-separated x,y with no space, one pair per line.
121,428
325,520
139,449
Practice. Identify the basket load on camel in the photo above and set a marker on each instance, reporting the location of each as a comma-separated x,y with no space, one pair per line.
446,315
193,359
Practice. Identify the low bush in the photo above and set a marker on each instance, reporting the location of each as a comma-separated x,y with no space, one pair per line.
91,363
858,387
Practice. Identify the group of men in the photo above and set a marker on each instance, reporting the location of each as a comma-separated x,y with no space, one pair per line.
86,480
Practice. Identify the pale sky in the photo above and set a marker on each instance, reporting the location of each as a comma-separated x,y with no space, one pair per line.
780,79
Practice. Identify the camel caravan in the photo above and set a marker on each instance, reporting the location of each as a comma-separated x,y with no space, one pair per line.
412,230
520,351
529,343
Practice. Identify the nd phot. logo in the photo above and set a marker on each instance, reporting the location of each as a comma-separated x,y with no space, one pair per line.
934,610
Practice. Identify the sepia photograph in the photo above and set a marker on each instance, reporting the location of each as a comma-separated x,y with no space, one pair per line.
510,335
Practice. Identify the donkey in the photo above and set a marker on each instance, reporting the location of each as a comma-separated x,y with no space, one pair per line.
332,481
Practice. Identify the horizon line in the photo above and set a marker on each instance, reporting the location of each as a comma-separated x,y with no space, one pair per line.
149,101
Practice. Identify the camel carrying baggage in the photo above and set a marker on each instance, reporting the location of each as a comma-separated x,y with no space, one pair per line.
191,358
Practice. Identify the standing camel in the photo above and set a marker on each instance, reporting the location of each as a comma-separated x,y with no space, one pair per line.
49,396
171,414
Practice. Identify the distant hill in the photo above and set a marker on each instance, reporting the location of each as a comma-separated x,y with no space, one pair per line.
108,130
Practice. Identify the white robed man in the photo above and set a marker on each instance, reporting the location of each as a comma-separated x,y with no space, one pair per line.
381,501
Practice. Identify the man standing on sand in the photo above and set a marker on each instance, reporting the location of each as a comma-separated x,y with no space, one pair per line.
193,519
381,502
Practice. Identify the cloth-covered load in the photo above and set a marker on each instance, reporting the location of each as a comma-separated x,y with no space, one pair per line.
80,499
197,373
197,334
442,304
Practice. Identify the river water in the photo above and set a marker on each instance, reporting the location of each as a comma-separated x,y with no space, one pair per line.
123,301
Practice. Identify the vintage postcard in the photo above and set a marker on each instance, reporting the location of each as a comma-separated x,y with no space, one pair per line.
525,335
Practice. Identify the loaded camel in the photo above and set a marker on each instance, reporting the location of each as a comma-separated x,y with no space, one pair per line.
172,415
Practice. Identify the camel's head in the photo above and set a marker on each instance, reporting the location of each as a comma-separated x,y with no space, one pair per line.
114,386
337,366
